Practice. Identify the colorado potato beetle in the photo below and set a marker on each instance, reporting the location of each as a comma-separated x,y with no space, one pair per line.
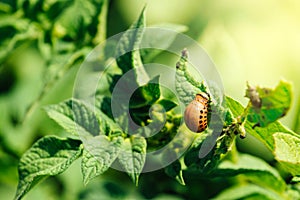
196,113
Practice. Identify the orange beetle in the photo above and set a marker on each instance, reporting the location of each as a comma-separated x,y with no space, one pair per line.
196,113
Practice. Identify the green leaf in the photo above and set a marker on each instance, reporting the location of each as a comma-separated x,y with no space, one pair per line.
235,107
206,164
107,125
23,32
249,191
174,170
63,58
53,10
293,192
281,141
146,94
75,117
192,155
103,103
98,155
186,86
47,157
158,38
140,101
264,134
167,104
133,155
74,20
296,179
268,105
166,126
101,21
128,55
5,7
287,148
254,170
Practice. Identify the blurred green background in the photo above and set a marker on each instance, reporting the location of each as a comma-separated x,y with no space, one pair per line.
255,41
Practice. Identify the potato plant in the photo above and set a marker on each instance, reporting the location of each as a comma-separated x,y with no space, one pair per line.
128,121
